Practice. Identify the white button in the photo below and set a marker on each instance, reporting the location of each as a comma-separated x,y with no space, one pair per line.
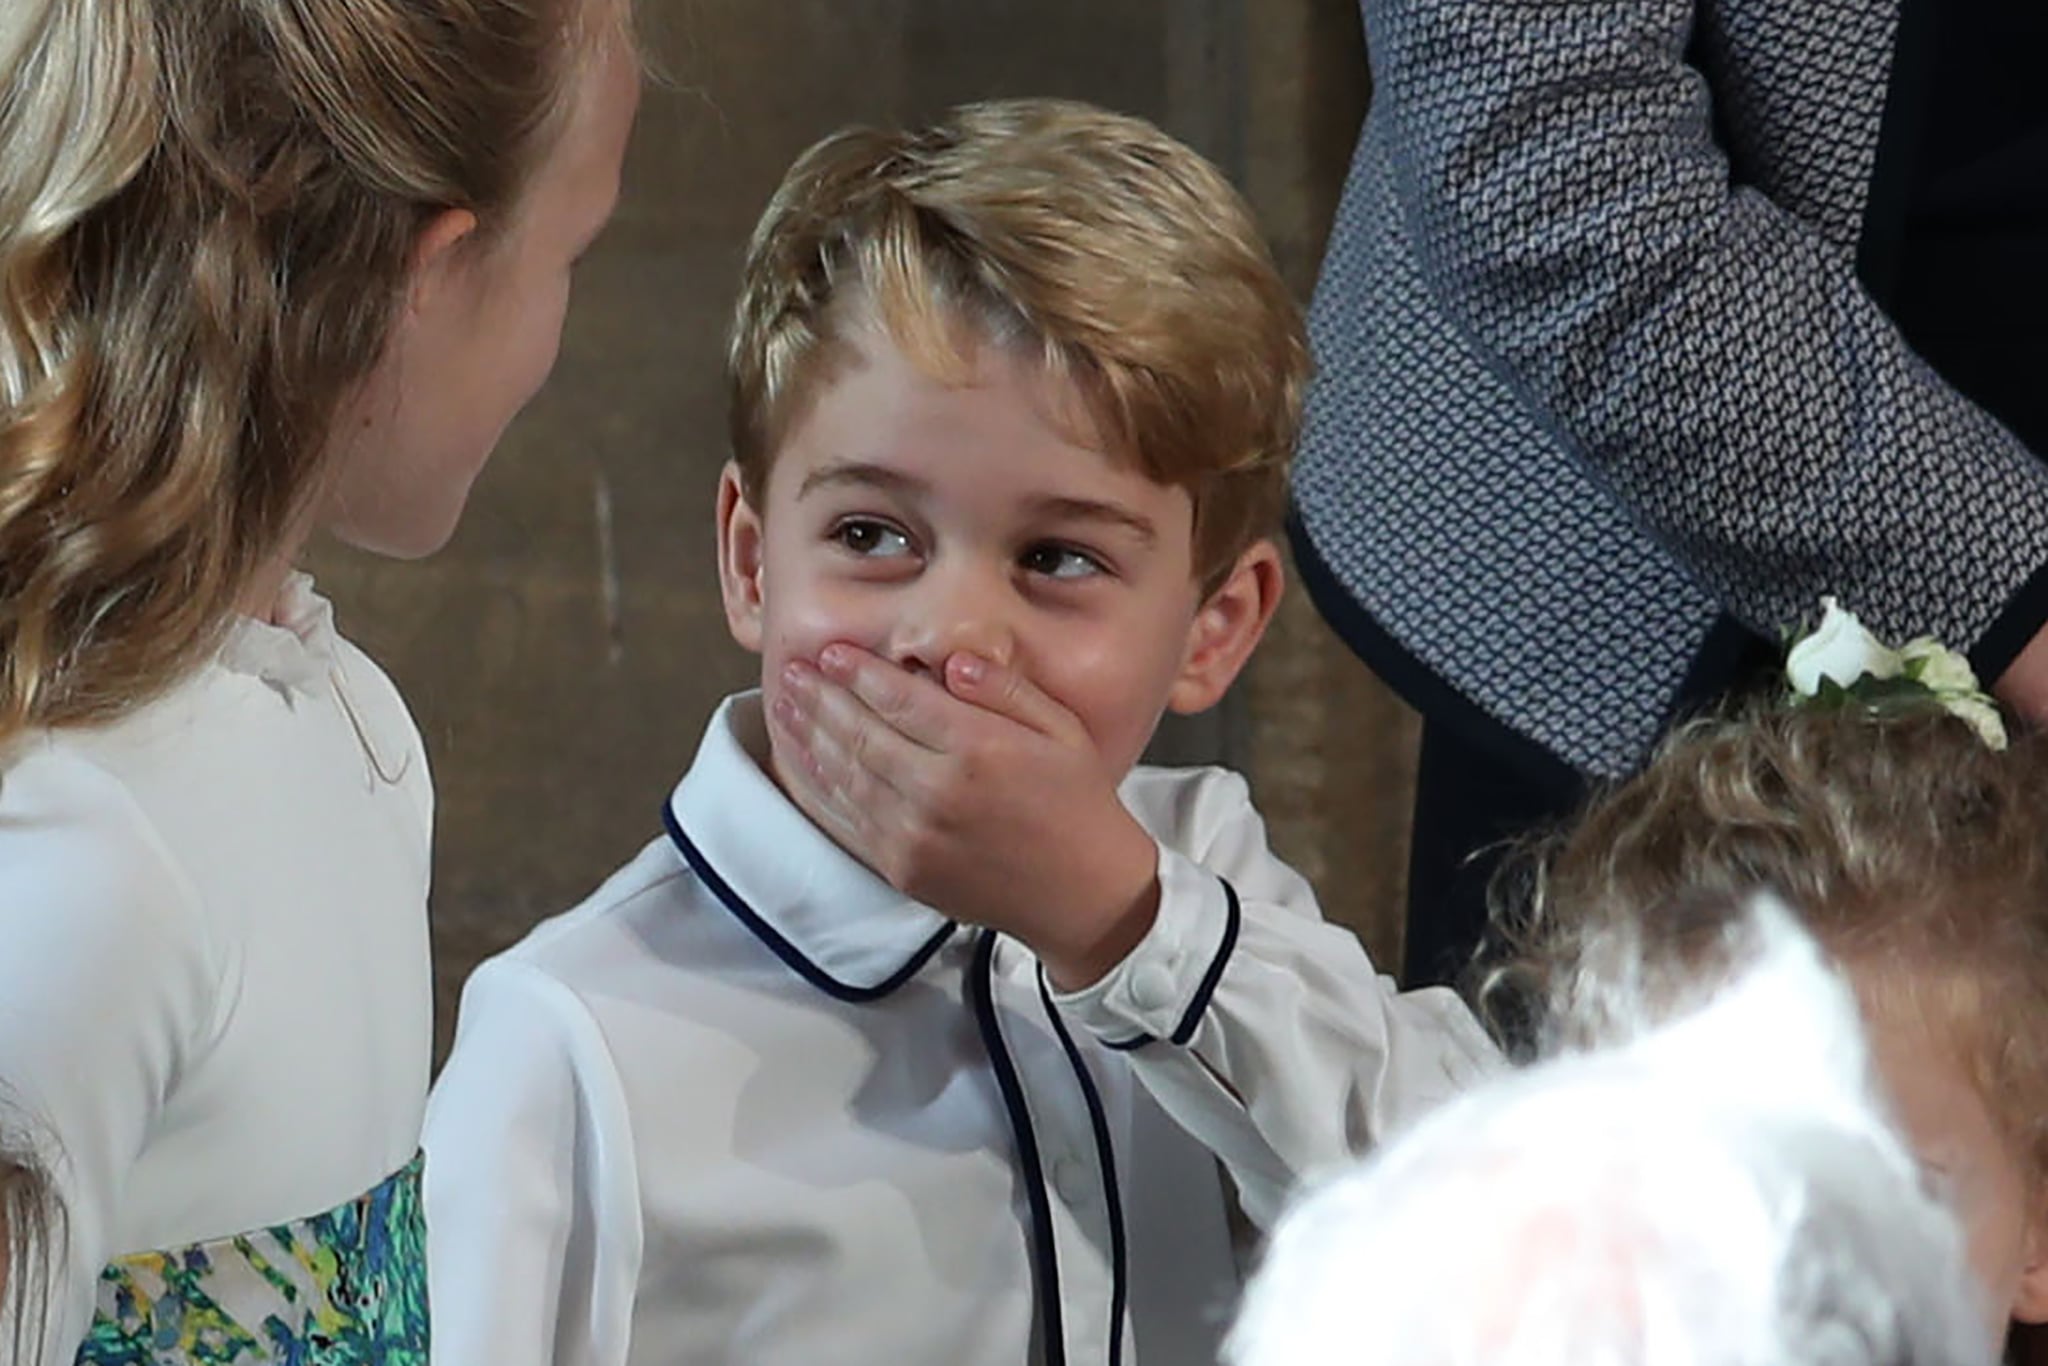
1070,1179
1153,986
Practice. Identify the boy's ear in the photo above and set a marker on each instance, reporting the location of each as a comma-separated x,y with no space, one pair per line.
740,547
1226,628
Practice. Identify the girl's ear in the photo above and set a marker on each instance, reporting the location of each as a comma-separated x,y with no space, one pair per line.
2030,1301
741,541
436,255
1226,627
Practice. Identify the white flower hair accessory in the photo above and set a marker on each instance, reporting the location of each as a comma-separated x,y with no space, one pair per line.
1840,663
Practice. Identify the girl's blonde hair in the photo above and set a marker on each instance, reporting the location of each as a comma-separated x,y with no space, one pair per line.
207,215
1916,855
32,1235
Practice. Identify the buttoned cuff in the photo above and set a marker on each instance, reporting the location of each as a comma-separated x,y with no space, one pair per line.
1162,988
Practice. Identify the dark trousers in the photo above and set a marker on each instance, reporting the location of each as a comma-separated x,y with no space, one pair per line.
1475,800
1469,806
1478,784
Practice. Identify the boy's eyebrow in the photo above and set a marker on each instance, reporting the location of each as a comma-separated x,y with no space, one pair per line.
1091,510
1050,507
862,473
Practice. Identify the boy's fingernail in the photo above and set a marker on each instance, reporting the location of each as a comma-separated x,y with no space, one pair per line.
970,668
836,659
793,674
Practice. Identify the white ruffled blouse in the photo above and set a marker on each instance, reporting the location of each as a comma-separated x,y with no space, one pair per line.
215,995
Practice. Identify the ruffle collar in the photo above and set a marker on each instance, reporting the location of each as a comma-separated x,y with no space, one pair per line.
296,650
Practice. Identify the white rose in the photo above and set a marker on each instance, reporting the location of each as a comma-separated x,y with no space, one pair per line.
1939,668
1981,714
1841,649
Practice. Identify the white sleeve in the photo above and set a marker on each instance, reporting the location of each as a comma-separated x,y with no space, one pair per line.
533,1219
1261,1028
108,989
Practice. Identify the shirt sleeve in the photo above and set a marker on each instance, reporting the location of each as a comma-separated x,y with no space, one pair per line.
108,989
534,1231
1261,1028
1709,353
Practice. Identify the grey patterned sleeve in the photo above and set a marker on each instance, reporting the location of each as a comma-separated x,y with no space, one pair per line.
1705,348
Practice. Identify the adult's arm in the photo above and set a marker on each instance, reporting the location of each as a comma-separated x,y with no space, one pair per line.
1711,354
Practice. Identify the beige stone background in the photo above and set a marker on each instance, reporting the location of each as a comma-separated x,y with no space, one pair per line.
564,652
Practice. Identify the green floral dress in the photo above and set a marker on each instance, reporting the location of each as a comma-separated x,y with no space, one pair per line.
345,1288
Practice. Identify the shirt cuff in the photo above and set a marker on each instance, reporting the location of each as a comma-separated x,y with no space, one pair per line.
1162,988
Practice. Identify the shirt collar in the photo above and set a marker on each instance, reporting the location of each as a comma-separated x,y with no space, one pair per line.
295,650
827,915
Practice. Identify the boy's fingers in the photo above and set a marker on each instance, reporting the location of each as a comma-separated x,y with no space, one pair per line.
797,764
828,805
915,707
851,745
1008,693
821,770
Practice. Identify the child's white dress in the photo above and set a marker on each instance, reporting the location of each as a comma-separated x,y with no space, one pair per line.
216,1007
750,1104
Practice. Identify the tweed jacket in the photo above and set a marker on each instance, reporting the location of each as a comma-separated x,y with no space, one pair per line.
1600,381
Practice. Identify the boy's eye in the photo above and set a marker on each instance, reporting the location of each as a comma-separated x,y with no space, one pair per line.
1061,562
871,539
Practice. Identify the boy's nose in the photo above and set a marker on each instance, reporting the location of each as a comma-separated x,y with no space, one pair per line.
950,619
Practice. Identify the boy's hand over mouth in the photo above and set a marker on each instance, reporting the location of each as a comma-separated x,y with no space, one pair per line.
977,794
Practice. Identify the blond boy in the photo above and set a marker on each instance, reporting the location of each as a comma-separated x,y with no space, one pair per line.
931,1029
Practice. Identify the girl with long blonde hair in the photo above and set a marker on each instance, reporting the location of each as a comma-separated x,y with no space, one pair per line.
266,270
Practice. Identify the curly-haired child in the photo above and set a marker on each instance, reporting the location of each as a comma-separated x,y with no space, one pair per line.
1916,853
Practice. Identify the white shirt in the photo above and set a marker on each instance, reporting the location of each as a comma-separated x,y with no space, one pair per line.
750,1104
215,998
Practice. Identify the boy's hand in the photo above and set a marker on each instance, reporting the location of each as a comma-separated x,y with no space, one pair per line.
980,796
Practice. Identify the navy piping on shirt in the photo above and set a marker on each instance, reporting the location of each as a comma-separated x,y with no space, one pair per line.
981,992
1098,1120
789,953
1189,1022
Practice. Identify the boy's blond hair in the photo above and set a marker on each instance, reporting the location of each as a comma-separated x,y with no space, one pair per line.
1915,853
1118,256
